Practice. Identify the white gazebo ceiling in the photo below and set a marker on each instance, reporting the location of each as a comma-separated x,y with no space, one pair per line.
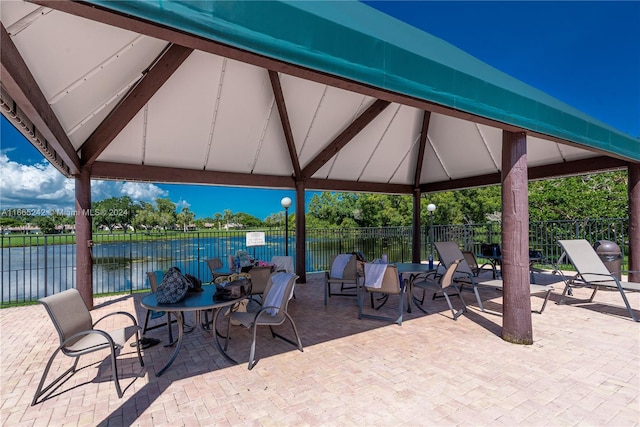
217,119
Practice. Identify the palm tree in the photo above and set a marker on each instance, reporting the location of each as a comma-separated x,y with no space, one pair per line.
217,216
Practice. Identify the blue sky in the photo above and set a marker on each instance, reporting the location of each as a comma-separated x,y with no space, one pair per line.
586,54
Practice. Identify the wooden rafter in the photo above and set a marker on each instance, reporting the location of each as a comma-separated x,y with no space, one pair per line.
345,136
426,117
286,125
157,75
96,13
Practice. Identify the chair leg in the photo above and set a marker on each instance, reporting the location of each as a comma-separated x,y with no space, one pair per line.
40,391
295,331
475,290
146,322
114,366
138,348
326,292
453,312
252,353
544,303
401,307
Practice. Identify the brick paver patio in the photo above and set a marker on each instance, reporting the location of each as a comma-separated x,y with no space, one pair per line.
583,369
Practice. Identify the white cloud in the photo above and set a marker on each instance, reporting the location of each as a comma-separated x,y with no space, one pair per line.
182,204
142,191
40,186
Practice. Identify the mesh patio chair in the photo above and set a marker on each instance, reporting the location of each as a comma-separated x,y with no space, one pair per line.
471,260
259,280
273,312
78,336
343,271
283,263
444,285
214,264
388,284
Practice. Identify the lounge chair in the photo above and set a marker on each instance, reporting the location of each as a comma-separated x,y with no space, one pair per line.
449,252
273,312
78,336
386,282
592,273
444,285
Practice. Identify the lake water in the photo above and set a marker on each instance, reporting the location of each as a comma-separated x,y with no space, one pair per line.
35,271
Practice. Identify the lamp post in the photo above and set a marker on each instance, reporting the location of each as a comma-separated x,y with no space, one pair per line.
431,207
286,202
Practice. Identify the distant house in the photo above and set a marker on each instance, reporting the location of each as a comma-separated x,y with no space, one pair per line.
22,229
66,228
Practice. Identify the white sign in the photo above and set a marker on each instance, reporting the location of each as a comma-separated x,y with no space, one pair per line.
255,238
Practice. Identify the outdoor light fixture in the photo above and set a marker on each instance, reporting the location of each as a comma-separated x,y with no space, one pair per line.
431,207
286,202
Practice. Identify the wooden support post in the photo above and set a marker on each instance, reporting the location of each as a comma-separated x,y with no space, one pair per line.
634,220
84,237
416,241
517,324
301,234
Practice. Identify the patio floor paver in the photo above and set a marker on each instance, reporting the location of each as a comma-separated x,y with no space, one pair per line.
582,369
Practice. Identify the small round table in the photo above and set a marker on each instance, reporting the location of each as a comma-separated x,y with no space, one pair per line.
192,302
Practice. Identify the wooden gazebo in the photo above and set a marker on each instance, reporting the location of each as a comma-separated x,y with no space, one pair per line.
307,95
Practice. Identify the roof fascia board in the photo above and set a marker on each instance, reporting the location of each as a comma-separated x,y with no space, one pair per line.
21,86
373,51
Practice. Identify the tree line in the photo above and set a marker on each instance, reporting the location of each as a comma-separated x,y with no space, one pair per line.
601,195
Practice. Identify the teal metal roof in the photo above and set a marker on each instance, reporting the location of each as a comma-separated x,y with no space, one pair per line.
351,40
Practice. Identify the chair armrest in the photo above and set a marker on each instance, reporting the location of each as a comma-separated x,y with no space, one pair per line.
269,307
84,333
123,313
626,271
605,277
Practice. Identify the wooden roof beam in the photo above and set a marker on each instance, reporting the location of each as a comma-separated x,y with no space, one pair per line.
286,125
426,117
345,136
576,167
122,114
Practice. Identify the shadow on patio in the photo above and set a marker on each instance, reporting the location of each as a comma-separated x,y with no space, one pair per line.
430,370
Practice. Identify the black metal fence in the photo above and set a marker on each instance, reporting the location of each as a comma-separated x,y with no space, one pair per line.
39,265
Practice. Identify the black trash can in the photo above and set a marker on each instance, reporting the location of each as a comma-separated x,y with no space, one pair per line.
611,256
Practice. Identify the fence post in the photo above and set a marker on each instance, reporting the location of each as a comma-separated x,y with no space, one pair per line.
130,263
46,268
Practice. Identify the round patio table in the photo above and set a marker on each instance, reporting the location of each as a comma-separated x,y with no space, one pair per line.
201,301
